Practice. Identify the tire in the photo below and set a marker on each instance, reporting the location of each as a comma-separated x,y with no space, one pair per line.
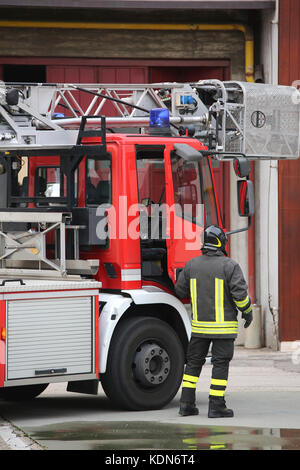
145,365
22,393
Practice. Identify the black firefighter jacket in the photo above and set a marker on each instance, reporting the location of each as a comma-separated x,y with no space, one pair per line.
217,288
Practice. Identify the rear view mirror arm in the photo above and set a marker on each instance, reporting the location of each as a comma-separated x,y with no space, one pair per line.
241,229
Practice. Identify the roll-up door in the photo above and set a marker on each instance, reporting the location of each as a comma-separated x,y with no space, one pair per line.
51,336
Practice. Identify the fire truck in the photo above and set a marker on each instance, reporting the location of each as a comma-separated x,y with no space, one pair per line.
105,190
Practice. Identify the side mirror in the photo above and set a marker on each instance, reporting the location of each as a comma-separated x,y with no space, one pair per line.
241,167
245,193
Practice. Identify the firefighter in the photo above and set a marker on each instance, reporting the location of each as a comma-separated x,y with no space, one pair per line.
217,288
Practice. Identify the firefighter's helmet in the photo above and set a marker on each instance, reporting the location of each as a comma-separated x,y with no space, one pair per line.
214,239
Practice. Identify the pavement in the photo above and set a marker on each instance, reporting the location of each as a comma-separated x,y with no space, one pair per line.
263,389
12,438
3,440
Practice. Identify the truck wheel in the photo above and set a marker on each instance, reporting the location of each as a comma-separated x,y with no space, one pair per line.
22,393
145,365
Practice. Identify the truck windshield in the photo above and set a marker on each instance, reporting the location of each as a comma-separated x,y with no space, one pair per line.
192,183
209,197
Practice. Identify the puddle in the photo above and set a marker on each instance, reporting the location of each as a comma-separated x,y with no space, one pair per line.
137,435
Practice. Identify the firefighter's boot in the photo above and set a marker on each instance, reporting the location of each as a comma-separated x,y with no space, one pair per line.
217,408
188,409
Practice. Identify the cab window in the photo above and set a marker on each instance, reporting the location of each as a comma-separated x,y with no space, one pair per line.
151,191
193,188
209,199
50,182
98,181
187,187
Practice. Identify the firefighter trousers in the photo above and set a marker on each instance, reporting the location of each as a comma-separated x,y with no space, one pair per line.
222,353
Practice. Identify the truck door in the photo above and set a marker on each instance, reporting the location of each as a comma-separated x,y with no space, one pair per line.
152,201
191,204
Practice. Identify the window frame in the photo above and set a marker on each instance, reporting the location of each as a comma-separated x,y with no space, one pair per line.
217,215
61,182
183,215
106,157
148,148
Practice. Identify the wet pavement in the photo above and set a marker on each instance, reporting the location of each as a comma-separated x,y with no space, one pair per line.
120,435
263,390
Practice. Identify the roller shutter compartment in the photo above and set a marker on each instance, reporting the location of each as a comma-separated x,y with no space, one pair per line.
47,337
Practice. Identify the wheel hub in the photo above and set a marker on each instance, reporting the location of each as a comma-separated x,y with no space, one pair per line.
151,364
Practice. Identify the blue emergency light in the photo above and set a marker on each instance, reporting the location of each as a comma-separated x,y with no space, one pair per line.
159,123
159,117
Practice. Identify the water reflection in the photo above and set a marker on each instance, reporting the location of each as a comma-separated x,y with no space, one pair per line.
161,436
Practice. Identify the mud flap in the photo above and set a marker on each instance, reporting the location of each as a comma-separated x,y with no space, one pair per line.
89,387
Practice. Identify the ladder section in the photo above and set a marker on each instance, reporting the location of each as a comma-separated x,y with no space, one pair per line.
50,115
256,120
23,245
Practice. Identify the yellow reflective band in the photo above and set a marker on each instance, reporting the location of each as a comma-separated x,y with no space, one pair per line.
219,382
192,295
190,378
242,303
217,446
217,393
193,289
221,284
216,331
219,300
248,310
195,297
213,324
215,328
188,385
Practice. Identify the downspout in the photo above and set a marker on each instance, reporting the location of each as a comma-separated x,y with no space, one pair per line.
251,250
274,309
246,30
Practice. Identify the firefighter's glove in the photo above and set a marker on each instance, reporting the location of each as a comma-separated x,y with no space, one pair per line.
248,317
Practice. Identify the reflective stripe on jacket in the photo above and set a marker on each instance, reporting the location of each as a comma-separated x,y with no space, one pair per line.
217,288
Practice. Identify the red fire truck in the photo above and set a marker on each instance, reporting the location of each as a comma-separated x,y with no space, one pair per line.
99,214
